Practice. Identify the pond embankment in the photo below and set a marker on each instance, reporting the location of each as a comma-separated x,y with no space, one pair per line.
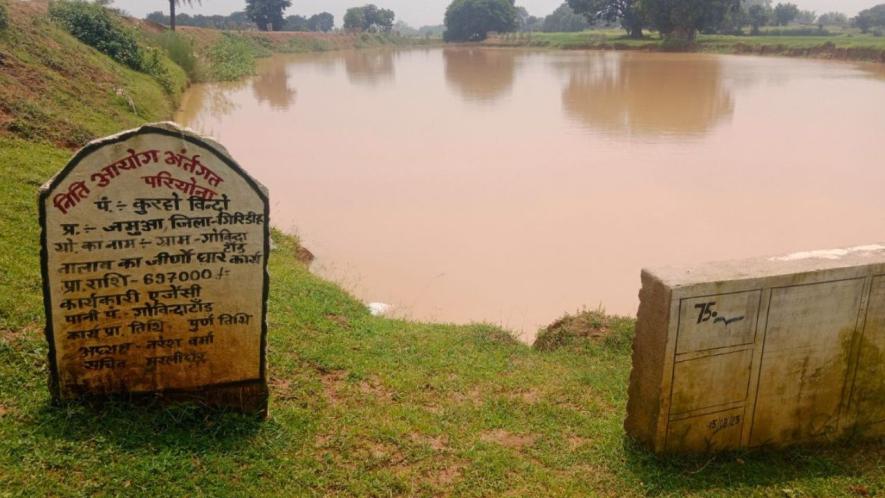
360,405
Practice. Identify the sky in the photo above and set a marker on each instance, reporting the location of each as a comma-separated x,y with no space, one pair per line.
421,12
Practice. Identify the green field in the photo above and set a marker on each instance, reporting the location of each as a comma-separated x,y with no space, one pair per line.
360,405
846,44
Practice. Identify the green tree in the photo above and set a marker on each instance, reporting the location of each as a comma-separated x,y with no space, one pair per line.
758,16
627,12
369,18
832,19
434,31
405,29
564,20
806,17
873,17
785,13
526,22
172,5
321,22
296,23
472,20
382,20
682,19
733,22
354,19
267,14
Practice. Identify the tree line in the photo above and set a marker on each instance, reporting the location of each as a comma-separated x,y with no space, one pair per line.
268,15
321,22
472,20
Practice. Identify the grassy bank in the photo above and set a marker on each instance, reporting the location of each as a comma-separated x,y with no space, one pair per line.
227,56
842,46
360,405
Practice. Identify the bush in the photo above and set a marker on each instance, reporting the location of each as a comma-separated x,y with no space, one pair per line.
584,329
97,27
232,58
152,64
4,16
93,25
472,20
675,44
181,51
307,45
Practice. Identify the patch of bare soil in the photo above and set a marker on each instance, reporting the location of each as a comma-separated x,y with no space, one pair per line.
333,385
303,255
530,396
375,389
575,442
31,330
508,439
447,476
282,389
339,319
438,443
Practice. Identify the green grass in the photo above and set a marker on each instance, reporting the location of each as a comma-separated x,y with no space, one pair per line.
845,44
4,15
57,90
180,50
300,45
233,57
360,405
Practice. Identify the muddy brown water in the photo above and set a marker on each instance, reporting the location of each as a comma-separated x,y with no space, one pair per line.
511,186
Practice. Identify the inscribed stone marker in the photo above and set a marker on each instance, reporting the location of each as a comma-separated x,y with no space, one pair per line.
765,352
154,260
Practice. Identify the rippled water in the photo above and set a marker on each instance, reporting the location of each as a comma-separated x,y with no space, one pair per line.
509,186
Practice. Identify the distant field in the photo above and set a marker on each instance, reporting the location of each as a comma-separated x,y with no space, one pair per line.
847,44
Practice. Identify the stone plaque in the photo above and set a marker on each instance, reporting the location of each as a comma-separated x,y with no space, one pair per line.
765,352
154,260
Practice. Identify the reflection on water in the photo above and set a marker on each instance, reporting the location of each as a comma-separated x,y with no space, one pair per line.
577,169
370,67
203,105
628,94
480,73
272,86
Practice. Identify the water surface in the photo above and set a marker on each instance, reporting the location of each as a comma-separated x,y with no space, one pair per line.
510,186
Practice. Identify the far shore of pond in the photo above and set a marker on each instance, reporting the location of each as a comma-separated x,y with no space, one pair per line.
841,46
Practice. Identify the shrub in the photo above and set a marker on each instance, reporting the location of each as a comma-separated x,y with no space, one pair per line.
181,51
152,64
4,16
307,45
233,57
584,329
675,44
93,25
97,27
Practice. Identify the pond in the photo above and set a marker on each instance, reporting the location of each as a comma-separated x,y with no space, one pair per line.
511,186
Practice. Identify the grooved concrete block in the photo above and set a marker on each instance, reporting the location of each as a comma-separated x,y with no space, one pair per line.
761,352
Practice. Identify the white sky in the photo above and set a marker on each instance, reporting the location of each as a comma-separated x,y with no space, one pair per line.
421,12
